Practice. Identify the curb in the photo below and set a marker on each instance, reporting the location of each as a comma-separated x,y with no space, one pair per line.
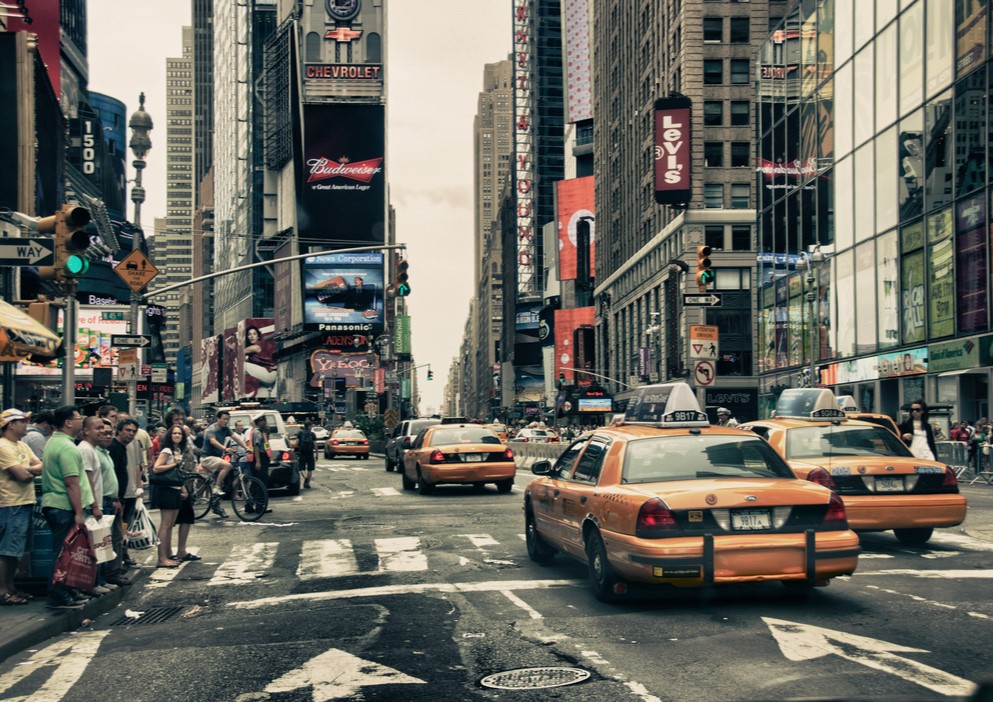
47,623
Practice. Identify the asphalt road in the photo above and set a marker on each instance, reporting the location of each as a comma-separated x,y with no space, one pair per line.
360,590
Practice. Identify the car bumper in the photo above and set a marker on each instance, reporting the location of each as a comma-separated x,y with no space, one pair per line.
343,450
700,561
468,473
879,513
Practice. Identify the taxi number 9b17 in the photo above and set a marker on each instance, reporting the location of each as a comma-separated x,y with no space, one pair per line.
750,519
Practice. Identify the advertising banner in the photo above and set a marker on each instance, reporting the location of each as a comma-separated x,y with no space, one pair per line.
342,195
575,202
255,365
93,350
953,355
913,302
911,362
941,289
353,343
210,367
356,368
672,150
230,382
566,324
343,292
283,288
579,103
401,334
971,277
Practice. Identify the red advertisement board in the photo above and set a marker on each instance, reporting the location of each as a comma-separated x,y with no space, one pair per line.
672,151
575,202
255,365
566,324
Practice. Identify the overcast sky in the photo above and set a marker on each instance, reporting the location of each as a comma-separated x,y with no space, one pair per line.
434,75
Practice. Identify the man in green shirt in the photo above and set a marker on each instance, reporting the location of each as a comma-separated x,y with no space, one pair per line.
66,493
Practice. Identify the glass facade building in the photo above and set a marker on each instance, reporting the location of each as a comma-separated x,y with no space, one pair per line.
874,203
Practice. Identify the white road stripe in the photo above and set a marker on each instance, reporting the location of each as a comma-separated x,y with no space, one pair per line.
385,492
533,613
481,541
160,577
66,659
248,564
401,554
414,588
326,559
931,574
960,541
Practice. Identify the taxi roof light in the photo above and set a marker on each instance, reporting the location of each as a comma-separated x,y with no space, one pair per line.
847,403
815,404
666,405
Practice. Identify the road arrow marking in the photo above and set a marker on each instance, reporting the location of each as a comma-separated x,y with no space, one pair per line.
802,642
336,675
69,656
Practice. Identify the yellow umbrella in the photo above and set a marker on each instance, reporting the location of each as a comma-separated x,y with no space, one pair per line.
21,335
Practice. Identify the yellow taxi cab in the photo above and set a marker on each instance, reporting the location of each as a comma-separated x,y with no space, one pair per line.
880,481
457,454
500,430
347,441
664,498
848,405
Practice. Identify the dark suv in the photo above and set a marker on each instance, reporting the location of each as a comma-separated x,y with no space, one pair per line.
401,439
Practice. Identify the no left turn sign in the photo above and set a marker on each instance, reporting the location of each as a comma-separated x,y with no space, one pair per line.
704,373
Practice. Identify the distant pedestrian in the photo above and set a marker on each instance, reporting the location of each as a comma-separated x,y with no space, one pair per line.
307,452
127,492
725,418
917,432
168,499
18,469
260,451
38,432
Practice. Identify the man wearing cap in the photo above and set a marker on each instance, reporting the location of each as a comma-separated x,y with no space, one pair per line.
724,418
18,468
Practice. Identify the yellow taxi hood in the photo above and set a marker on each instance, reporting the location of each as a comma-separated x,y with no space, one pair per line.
732,492
869,465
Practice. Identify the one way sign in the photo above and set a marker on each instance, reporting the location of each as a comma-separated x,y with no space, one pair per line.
26,252
139,341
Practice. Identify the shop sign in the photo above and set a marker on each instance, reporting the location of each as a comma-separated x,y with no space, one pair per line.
912,362
953,355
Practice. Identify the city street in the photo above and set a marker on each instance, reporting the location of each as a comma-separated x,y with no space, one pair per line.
358,589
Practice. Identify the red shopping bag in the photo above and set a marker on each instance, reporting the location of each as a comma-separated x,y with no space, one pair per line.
76,565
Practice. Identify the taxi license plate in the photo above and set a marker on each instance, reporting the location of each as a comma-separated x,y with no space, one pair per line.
473,457
750,519
889,484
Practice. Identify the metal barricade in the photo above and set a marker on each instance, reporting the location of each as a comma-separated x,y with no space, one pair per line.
955,454
984,464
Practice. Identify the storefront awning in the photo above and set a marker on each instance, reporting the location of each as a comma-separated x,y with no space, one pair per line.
21,335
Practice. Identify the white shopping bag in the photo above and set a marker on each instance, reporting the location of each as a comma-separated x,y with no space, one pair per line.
103,544
140,533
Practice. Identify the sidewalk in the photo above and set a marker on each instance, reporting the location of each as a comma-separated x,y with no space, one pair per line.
23,627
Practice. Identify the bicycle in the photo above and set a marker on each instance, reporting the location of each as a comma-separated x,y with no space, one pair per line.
249,495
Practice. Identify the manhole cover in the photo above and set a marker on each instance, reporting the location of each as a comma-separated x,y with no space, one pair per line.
148,616
534,678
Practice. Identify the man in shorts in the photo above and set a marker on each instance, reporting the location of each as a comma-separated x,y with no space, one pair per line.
219,442
18,469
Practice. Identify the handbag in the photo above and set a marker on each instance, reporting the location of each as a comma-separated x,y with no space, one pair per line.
140,533
76,565
169,478
100,537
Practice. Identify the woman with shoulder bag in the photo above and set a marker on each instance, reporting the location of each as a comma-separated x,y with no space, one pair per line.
168,492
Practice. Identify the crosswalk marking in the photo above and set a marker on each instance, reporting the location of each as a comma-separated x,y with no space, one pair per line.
326,559
401,554
247,564
385,492
481,541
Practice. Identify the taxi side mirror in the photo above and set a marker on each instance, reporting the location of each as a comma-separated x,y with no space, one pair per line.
541,467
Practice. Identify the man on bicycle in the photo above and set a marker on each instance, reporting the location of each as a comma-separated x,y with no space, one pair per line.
219,441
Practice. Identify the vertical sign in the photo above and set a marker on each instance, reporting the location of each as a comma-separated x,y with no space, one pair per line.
524,146
672,150
401,334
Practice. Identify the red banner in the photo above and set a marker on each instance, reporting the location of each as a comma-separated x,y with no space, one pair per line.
575,202
566,324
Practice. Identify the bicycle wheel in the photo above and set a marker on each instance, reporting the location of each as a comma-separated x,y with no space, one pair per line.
199,488
250,499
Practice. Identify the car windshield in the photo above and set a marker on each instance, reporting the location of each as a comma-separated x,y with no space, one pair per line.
661,459
838,441
418,424
349,434
463,435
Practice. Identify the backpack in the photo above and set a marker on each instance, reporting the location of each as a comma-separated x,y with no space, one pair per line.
306,440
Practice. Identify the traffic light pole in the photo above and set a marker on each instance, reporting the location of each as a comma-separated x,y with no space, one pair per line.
69,342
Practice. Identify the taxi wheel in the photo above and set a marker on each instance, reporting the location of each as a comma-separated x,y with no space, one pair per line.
389,465
606,585
913,537
505,486
423,486
538,550
408,484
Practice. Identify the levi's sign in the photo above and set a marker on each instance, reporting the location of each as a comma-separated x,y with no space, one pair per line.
672,150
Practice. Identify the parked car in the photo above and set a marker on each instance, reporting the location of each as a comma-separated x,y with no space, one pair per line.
535,436
284,470
347,442
402,437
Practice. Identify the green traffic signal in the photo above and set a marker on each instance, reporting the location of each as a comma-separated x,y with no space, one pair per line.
76,265
402,287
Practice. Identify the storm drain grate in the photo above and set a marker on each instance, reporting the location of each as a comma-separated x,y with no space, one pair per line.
156,615
534,678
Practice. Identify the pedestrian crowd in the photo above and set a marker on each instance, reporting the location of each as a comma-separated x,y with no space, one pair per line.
102,465
978,437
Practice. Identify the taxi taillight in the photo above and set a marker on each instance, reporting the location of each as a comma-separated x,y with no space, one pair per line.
835,518
335,442
822,477
436,457
656,520
508,455
951,482
365,442
287,456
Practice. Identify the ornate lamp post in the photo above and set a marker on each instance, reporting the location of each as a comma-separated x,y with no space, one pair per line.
140,125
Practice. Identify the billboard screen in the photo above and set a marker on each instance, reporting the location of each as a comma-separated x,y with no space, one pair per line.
342,195
672,150
575,202
255,364
210,369
343,292
92,349
566,356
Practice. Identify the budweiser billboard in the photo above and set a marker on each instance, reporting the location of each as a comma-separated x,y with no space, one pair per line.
672,151
342,191
575,203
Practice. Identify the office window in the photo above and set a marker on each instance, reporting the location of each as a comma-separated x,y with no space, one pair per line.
713,195
741,154
741,237
739,30
713,71
740,113
739,71
713,113
713,154
713,236
741,195
713,30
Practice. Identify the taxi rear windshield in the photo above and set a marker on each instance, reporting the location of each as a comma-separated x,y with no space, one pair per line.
349,434
697,457
839,441
464,435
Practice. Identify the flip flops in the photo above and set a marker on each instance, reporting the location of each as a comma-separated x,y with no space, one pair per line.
187,557
10,600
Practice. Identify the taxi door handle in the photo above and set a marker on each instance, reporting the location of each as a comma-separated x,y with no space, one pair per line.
555,493
582,500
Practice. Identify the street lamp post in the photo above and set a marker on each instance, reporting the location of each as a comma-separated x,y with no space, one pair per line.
811,257
141,125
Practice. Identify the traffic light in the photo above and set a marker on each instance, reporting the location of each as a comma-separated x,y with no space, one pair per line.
430,374
402,286
704,274
71,241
